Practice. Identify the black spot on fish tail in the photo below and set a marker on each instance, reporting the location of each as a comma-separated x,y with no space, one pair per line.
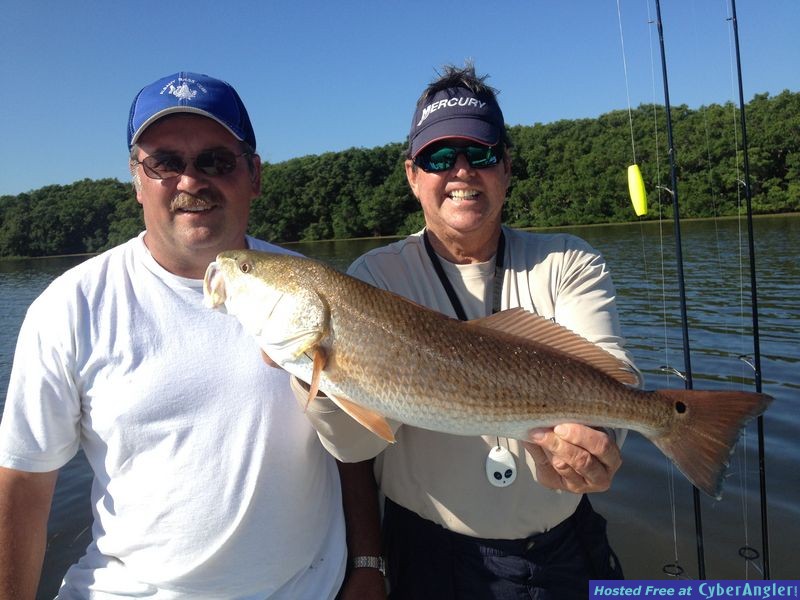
705,428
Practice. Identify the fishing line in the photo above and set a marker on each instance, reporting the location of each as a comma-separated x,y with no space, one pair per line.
638,198
753,299
640,192
638,180
679,267
636,187
704,110
746,552
673,569
627,90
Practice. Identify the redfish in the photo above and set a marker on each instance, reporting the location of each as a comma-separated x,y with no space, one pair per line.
378,356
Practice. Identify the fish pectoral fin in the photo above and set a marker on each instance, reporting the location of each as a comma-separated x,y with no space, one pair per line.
319,361
299,343
520,323
376,423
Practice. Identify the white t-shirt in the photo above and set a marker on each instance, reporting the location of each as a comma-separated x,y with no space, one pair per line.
442,477
208,480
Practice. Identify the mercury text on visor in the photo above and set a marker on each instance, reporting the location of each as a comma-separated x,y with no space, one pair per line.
449,102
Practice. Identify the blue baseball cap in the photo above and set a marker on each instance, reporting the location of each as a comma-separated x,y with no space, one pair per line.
456,112
193,93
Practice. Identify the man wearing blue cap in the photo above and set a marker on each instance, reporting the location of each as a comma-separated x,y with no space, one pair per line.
485,517
208,482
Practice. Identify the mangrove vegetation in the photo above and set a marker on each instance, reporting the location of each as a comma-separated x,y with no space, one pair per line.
564,173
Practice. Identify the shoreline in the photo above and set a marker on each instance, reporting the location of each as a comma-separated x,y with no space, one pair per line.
397,237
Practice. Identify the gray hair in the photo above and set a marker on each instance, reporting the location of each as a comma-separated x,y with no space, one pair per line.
132,162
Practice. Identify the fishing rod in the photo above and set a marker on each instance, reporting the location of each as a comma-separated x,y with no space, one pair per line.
753,303
687,372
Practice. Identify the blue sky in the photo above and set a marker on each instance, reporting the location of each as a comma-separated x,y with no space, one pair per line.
325,76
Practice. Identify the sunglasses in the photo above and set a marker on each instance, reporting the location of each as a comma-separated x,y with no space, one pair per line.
213,163
439,158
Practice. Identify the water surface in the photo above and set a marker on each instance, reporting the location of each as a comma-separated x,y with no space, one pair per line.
649,509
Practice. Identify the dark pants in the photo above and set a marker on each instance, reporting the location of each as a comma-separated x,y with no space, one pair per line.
426,561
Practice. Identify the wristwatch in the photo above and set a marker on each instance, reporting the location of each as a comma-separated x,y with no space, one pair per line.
369,562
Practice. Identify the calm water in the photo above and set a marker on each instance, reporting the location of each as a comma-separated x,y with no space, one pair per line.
650,512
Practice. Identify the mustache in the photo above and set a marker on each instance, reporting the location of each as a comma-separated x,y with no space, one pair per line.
202,199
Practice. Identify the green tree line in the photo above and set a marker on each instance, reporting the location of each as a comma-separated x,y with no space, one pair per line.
563,173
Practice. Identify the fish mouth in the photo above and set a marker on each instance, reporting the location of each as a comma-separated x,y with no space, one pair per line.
214,286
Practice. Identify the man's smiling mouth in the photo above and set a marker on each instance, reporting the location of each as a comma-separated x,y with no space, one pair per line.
463,194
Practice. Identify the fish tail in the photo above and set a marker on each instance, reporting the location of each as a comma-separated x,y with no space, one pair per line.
707,425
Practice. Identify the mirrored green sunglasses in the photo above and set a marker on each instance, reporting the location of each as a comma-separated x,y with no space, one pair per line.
438,158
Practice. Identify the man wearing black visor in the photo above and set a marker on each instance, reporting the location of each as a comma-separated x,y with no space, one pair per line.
486,517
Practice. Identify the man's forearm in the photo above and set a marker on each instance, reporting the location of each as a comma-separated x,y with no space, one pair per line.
24,507
362,514
360,500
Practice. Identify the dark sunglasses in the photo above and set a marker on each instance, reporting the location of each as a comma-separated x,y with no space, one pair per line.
213,163
438,158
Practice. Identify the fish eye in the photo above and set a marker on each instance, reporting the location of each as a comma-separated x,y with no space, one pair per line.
245,267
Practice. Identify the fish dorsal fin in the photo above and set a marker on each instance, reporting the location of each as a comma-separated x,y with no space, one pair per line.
369,419
520,323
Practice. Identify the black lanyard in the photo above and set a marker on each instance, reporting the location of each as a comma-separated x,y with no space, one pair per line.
448,287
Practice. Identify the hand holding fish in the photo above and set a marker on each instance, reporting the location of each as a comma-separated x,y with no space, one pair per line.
574,458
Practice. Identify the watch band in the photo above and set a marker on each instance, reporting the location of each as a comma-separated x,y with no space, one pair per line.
369,562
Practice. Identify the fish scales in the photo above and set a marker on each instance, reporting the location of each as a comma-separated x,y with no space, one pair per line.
521,386
380,355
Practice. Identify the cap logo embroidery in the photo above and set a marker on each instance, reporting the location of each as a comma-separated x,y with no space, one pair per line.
448,102
183,91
